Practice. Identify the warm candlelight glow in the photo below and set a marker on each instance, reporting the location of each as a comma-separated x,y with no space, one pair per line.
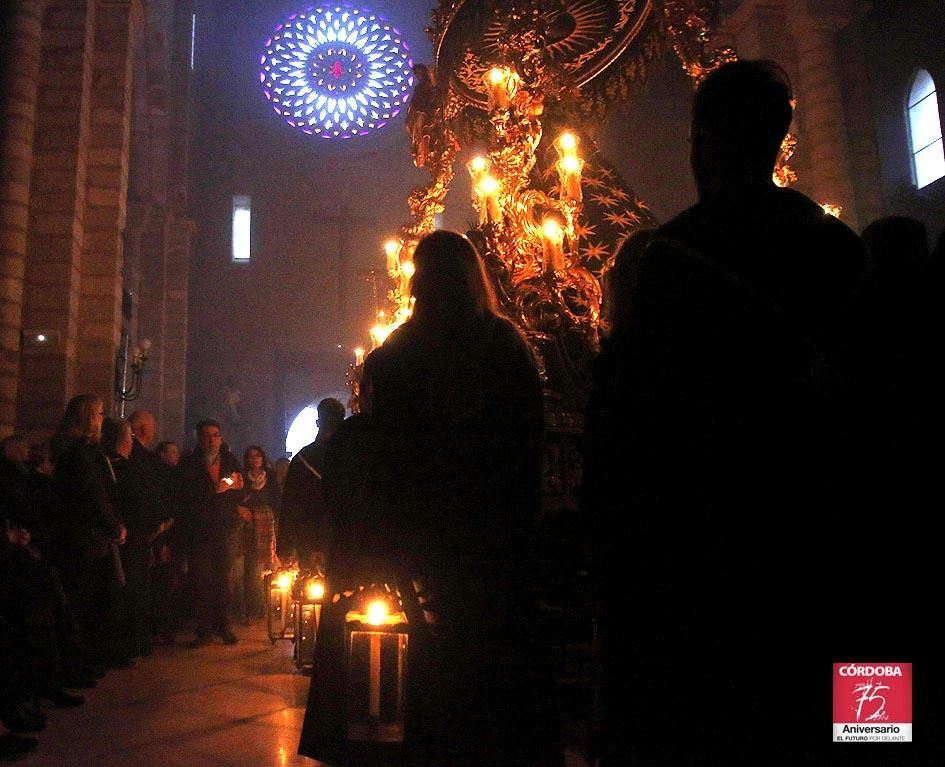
831,209
501,84
284,580
359,355
380,332
488,189
315,589
392,249
569,175
377,612
567,144
407,268
477,166
552,238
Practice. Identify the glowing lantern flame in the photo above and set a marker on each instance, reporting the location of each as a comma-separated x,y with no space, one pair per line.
315,589
284,580
377,612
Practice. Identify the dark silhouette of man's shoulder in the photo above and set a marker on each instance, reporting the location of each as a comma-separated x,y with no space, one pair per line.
755,211
778,239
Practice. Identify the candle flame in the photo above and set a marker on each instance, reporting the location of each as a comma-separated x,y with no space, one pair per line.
552,229
571,164
488,185
497,75
376,612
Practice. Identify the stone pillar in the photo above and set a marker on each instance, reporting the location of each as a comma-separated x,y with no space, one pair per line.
56,213
824,137
19,74
107,194
159,236
163,243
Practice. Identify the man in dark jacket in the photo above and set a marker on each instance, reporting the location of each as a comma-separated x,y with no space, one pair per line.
727,388
210,479
304,523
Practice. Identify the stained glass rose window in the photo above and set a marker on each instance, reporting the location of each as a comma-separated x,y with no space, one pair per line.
336,71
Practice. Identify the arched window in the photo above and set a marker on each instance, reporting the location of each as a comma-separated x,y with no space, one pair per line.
925,131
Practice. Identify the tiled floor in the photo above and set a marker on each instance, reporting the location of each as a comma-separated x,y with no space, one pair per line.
218,706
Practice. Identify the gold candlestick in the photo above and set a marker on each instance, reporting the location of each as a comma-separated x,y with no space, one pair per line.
488,190
569,177
552,239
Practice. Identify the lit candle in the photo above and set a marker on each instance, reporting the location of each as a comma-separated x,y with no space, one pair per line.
392,249
569,175
478,166
359,356
501,86
488,191
567,144
552,239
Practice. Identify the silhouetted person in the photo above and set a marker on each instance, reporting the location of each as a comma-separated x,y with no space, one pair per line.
303,525
211,485
900,423
896,339
458,408
259,508
90,527
724,415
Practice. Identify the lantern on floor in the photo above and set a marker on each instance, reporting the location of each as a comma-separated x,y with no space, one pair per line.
376,645
280,607
308,594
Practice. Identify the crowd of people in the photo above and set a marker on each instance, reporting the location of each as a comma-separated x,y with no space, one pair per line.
113,544
759,407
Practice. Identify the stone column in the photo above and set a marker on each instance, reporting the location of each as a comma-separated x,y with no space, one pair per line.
99,329
19,75
163,243
56,213
824,137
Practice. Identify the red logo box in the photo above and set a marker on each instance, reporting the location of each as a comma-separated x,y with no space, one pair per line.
872,702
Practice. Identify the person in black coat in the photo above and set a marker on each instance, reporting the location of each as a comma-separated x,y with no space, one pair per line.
211,485
459,424
721,438
303,522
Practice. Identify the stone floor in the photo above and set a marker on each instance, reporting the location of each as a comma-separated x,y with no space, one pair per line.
219,706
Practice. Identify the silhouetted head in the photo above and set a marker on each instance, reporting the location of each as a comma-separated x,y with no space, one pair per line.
620,281
209,438
741,113
83,418
255,459
117,437
331,412
145,426
450,280
169,452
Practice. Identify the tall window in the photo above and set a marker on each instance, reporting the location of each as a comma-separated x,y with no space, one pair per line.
241,228
925,131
